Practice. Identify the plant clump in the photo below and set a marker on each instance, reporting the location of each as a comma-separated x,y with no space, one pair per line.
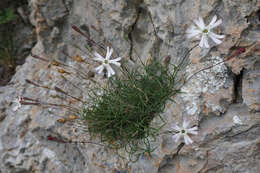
123,113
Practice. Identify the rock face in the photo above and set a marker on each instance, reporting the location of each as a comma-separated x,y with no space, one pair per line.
149,28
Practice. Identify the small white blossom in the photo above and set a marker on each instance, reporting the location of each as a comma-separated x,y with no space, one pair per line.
106,62
17,102
237,120
182,132
199,30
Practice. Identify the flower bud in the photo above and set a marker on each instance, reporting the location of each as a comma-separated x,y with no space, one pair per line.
62,120
241,50
167,59
72,117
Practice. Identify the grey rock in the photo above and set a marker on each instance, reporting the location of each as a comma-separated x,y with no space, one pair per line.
149,28
251,89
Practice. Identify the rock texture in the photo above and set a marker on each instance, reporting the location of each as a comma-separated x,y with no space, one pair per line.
149,28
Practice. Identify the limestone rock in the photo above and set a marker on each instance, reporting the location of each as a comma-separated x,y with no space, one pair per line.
149,28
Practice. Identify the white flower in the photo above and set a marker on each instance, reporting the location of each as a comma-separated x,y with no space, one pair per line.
199,30
237,120
106,62
17,102
183,132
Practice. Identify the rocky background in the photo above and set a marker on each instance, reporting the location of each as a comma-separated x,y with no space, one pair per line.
17,37
149,28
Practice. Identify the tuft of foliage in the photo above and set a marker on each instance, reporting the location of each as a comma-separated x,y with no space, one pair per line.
6,15
6,42
7,51
123,113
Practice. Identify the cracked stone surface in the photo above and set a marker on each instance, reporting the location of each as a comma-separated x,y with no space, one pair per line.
148,28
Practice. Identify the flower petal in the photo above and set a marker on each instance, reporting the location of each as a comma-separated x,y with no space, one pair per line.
110,71
200,23
115,61
192,32
98,57
217,41
192,29
213,20
176,127
215,24
17,103
176,137
204,42
185,124
216,35
193,130
108,74
109,53
99,69
187,140
214,38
